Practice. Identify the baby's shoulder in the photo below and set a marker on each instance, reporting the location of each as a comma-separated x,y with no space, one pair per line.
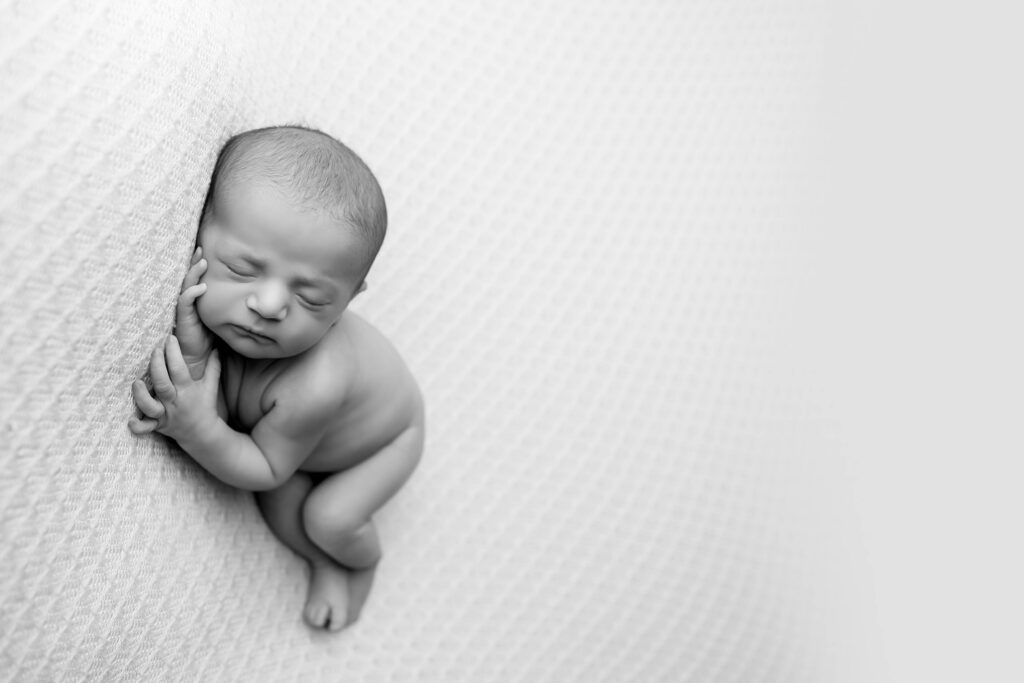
318,381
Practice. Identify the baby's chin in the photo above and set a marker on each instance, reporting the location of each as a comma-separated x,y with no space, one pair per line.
257,349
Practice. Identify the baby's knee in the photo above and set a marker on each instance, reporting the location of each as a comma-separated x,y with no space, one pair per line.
326,523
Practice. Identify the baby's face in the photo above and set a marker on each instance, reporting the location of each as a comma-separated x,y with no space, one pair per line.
278,278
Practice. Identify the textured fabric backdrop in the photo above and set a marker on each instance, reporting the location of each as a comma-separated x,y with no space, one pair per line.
600,240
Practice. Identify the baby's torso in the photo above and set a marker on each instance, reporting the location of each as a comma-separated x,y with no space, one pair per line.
381,398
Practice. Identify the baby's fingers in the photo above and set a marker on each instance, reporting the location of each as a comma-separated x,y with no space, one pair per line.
149,406
177,368
162,384
195,271
188,298
141,426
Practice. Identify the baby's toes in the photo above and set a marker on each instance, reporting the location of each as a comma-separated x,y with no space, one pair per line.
317,614
336,622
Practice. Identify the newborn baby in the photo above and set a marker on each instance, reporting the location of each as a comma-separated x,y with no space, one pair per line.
269,382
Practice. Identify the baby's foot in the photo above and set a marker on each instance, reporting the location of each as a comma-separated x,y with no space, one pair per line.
327,602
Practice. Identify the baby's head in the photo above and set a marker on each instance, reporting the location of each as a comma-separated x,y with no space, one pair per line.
313,171
291,225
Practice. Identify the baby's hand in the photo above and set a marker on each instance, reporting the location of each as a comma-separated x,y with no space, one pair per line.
194,338
182,408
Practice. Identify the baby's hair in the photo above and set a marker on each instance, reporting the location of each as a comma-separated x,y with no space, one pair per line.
315,169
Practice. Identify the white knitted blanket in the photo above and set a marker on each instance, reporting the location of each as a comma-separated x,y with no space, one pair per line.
596,251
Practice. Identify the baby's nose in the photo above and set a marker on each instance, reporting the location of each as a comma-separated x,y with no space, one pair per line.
270,301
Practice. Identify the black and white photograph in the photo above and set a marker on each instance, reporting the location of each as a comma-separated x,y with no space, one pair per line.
624,341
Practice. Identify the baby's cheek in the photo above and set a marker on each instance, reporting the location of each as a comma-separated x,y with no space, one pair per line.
205,306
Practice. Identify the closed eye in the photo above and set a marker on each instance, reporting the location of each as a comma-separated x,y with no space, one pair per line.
240,271
312,303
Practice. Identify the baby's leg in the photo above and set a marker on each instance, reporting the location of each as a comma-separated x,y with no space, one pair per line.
336,515
327,600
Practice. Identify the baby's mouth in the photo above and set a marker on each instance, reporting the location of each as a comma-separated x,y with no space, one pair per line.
251,333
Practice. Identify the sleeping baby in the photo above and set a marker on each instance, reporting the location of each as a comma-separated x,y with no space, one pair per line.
268,381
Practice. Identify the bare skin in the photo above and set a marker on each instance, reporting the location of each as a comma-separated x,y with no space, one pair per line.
273,386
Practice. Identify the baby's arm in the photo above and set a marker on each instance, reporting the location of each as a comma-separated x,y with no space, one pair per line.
185,410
